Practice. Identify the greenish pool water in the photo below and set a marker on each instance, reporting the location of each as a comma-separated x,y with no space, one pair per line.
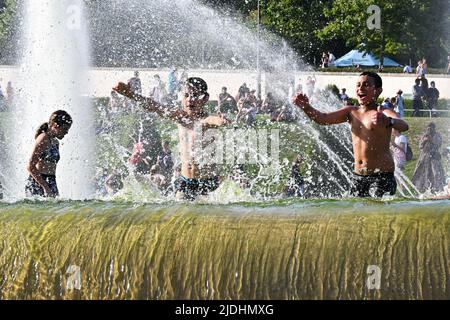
315,249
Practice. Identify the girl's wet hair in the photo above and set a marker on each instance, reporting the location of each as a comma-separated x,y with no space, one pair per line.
59,117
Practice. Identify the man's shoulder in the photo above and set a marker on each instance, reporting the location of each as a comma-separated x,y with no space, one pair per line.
349,111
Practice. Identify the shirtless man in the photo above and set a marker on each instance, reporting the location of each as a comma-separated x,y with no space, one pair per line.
371,134
196,178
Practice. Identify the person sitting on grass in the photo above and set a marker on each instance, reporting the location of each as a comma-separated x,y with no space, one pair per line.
285,114
247,113
226,102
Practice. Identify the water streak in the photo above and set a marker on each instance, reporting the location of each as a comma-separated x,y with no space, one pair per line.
285,250
52,76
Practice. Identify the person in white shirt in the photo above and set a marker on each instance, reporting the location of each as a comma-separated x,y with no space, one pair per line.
331,58
399,147
343,96
419,69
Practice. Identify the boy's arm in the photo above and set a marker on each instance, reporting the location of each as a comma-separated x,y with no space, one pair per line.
339,116
397,123
150,104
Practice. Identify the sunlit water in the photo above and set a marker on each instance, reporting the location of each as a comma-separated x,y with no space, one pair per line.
231,245
272,250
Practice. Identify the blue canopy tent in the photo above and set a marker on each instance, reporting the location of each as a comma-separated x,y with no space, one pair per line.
363,59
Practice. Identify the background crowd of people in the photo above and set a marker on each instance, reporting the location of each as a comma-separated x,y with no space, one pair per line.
244,107
157,163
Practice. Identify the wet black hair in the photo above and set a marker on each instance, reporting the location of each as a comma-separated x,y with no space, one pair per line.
198,84
376,78
60,117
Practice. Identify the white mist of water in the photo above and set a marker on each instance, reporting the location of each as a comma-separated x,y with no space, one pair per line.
52,76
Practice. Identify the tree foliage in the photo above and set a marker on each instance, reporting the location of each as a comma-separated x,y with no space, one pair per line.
8,30
298,21
410,29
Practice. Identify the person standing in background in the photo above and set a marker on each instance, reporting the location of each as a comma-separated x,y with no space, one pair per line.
3,106
429,174
433,96
331,58
399,103
424,67
135,83
417,94
9,94
399,147
172,84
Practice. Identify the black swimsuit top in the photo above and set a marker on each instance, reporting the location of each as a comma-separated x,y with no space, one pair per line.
51,154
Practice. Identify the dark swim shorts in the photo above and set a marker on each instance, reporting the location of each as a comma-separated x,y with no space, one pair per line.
191,188
33,188
381,183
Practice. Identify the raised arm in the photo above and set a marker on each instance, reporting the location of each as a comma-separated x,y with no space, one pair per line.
335,117
149,104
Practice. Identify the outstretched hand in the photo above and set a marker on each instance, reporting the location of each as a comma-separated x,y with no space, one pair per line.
301,100
125,90
379,118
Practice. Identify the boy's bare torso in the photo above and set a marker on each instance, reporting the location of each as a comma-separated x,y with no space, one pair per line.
370,143
192,142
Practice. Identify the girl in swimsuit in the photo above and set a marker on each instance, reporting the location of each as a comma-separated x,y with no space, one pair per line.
45,155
